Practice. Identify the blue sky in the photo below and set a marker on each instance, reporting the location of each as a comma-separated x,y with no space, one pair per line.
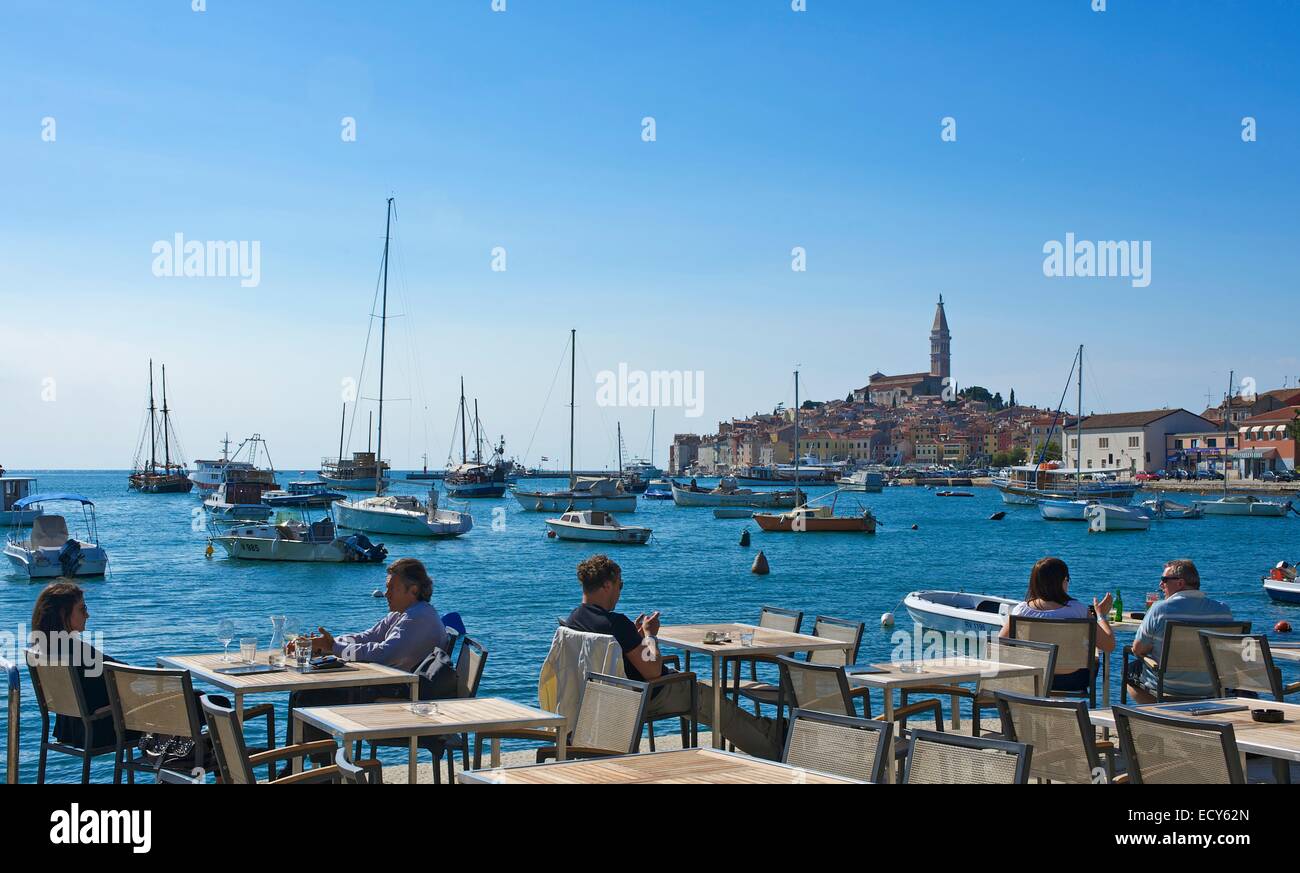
523,130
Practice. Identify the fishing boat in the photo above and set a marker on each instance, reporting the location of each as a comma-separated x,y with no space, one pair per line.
1105,517
1166,509
209,474
658,489
728,493
758,475
358,473
1064,510
171,477
301,541
595,526
49,551
305,493
477,478
12,490
958,612
584,492
400,514
239,498
870,481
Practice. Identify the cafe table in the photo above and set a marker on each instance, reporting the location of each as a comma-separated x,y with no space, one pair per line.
207,668
1280,740
767,642
381,721
676,767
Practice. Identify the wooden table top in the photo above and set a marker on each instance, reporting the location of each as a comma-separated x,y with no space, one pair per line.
387,720
677,767
766,640
204,667
1254,738
939,671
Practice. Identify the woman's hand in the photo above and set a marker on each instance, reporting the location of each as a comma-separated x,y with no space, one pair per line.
1102,607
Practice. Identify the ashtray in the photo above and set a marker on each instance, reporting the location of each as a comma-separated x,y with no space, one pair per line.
1269,716
910,668
424,709
716,638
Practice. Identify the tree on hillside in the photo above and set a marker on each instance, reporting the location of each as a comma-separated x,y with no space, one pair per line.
1012,401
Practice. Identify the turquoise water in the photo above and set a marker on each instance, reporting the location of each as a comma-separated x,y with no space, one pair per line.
509,581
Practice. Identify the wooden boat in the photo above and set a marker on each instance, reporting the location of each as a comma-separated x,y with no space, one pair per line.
49,551
727,493
595,526
171,477
477,478
816,519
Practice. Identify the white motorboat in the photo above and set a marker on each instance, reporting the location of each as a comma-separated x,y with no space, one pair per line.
402,515
1105,517
862,480
304,493
728,493
595,526
588,492
209,474
1164,508
1064,510
49,551
1282,590
298,541
12,490
1244,504
957,611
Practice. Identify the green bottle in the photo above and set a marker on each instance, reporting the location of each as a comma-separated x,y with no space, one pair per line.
1119,607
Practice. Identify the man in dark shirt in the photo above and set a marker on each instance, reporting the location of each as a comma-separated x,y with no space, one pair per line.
602,584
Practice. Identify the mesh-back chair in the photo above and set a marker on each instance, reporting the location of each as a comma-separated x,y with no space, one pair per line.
59,693
954,759
841,629
772,618
1058,730
14,711
235,764
1243,663
1182,656
469,673
609,721
1001,651
1076,646
841,745
1167,749
159,702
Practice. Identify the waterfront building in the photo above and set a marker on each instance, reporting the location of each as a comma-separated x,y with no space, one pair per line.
1136,440
683,452
1200,450
1267,442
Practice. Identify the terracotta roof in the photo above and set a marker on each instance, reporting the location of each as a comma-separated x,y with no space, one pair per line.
1129,419
1286,413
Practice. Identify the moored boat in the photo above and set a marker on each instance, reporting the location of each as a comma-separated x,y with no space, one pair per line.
239,498
1164,508
1244,504
12,490
301,541
49,551
1064,510
1106,517
172,477
304,493
595,526
659,489
402,515
727,493
816,519
957,611
862,480
588,492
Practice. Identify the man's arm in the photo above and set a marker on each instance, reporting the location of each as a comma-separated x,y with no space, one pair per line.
384,631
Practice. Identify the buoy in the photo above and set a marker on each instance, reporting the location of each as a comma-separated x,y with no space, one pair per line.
744,537
760,565
376,593
1283,627
887,620
916,527
208,551
997,516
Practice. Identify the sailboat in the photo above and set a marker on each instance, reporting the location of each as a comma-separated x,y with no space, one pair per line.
806,517
584,492
1239,504
475,478
400,514
171,478
362,472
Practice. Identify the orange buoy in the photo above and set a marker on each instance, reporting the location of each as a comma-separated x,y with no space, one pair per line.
760,565
551,534
1283,627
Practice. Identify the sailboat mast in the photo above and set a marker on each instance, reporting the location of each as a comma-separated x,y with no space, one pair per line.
463,456
1227,413
153,436
342,424
652,437
620,450
573,376
478,438
383,339
796,437
167,449
1078,434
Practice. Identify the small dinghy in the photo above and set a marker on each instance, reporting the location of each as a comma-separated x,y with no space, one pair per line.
732,512
958,611
953,494
1164,508
1064,510
1106,517
596,526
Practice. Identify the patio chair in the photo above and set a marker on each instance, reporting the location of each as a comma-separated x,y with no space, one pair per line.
14,711
1008,651
772,618
356,774
1076,647
1182,656
1064,741
1168,749
841,629
1241,665
610,717
837,744
955,759
59,693
469,673
235,763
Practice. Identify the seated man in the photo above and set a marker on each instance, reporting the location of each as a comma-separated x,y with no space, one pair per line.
1183,601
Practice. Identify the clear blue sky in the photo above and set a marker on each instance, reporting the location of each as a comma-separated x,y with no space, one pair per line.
523,129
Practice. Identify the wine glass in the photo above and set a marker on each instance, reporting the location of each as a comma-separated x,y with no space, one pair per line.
226,636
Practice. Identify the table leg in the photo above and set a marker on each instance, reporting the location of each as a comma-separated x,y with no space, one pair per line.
412,764
560,745
956,712
889,717
496,748
296,766
718,679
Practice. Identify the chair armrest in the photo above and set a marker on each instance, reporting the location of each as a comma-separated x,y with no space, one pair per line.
295,751
575,752
542,735
1291,688
672,660
902,713
258,711
671,678
329,773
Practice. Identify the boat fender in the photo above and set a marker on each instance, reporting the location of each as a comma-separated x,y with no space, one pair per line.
207,553
997,516
550,534
760,567
744,537
887,619
1282,627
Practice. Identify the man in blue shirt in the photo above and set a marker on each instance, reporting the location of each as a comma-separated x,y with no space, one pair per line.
1183,601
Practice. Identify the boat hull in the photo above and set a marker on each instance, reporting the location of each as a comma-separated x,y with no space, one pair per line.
1120,494
633,536
238,511
401,522
754,499
1063,510
1261,508
364,483
43,563
1283,592
475,490
958,612
1103,518
545,501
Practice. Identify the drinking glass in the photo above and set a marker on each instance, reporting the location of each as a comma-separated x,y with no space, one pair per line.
248,649
747,638
225,636
302,651
1152,597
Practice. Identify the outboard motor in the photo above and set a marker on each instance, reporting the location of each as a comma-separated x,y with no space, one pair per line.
71,558
359,548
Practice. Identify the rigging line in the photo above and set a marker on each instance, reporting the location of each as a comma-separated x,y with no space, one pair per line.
412,347
365,354
545,403
1096,385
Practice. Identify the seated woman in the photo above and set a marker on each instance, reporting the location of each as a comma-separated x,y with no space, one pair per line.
1049,597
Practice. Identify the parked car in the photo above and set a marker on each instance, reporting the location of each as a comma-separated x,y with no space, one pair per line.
1147,477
